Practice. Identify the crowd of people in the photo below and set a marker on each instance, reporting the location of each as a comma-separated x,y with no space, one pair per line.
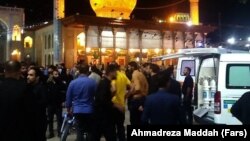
32,95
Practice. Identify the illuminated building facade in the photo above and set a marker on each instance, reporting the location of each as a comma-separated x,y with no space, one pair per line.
111,36
11,27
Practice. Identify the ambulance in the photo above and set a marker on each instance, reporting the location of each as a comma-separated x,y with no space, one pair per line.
221,77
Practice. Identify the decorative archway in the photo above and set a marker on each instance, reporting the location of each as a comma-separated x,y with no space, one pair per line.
3,39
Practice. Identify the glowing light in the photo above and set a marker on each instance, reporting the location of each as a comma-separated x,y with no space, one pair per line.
171,19
117,49
131,50
15,52
189,23
16,33
81,39
88,49
157,50
169,51
137,59
144,50
113,8
194,11
247,45
103,50
199,44
248,39
231,41
28,42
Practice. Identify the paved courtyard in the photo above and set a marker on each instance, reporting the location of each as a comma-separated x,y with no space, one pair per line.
72,137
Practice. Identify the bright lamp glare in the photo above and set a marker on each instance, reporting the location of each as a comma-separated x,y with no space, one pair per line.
231,40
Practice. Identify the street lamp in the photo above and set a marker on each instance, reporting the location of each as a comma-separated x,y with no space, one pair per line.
248,39
231,41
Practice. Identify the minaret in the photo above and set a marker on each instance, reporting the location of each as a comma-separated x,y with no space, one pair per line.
194,11
57,43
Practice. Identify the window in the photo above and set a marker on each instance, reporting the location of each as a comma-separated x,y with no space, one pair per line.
28,42
81,39
45,37
49,42
237,76
16,33
190,64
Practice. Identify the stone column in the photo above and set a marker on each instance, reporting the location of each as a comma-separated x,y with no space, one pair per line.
193,40
114,44
162,45
205,40
99,38
140,44
173,39
183,39
86,28
127,45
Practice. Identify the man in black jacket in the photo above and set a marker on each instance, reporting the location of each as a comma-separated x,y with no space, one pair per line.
56,97
16,106
241,109
104,108
39,92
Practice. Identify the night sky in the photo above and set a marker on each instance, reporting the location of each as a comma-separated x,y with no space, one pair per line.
233,12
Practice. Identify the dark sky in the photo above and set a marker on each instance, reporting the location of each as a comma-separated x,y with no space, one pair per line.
233,12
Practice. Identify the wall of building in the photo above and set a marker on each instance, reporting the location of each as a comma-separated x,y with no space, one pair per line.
43,44
120,44
11,17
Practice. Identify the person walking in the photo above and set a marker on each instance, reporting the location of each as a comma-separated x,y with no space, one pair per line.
56,98
120,85
104,107
79,101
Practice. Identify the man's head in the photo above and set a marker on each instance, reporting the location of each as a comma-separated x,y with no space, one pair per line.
132,66
51,68
12,69
34,75
111,71
154,69
163,79
24,68
146,67
187,71
83,69
55,74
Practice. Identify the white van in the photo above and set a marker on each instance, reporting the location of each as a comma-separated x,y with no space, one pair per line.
221,77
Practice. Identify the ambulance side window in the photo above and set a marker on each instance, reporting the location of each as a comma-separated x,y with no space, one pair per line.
237,76
190,64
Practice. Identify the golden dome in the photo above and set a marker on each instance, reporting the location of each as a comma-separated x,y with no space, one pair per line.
113,8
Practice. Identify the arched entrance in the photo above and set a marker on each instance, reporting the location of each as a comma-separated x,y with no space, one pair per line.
3,40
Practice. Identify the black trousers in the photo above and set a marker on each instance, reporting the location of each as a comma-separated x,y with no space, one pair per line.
188,111
84,124
119,124
41,127
104,125
135,114
55,110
